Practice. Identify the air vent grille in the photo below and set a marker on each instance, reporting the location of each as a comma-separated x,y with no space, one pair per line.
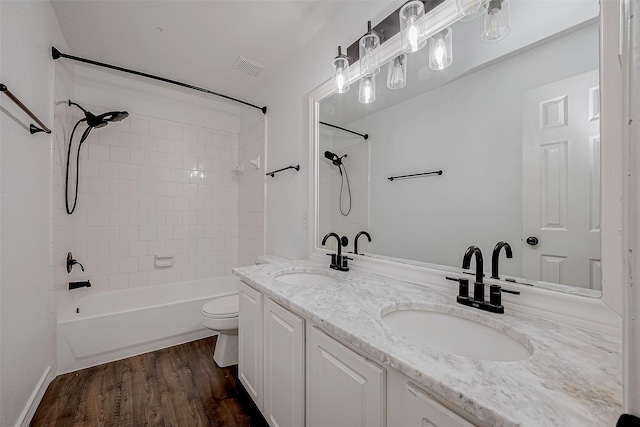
248,66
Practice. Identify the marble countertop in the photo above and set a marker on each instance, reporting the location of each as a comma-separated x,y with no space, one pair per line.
573,377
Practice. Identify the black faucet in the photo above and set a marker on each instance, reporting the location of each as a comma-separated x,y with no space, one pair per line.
494,304
496,256
478,285
338,261
355,242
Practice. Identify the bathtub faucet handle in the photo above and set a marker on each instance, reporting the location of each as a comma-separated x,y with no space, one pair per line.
71,262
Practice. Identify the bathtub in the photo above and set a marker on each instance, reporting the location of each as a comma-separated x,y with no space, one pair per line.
103,327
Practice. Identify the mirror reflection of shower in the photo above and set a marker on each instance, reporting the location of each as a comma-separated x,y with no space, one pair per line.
93,122
337,161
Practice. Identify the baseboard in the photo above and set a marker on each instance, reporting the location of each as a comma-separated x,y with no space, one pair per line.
34,400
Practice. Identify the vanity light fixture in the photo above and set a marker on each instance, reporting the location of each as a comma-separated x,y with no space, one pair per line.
496,25
397,72
367,89
410,26
441,49
339,72
369,61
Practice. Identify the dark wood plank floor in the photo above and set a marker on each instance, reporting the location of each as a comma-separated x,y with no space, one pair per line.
179,386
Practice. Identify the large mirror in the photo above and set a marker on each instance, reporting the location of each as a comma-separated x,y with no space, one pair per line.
513,126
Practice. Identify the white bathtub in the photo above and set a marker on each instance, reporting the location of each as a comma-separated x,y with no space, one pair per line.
109,326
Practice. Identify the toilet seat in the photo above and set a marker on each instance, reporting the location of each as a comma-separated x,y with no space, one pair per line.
222,308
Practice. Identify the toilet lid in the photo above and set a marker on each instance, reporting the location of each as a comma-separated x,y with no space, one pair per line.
222,307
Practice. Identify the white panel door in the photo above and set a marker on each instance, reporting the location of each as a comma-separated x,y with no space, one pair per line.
250,362
283,366
561,182
343,388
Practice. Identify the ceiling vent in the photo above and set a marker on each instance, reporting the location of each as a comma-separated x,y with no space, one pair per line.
248,66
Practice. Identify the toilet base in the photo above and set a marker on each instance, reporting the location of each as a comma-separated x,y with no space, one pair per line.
226,352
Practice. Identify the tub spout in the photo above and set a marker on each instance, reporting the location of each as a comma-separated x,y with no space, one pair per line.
78,285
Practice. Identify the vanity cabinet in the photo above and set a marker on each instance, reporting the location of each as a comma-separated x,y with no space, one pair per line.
343,388
299,376
283,366
250,352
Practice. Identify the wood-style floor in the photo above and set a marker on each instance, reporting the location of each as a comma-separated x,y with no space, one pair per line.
179,386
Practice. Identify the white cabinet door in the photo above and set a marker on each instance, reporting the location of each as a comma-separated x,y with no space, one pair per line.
343,388
250,363
423,411
283,366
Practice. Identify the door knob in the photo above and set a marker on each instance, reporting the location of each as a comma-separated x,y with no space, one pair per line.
532,240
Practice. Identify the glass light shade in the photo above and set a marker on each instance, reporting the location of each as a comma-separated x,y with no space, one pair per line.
496,25
367,92
410,27
397,72
339,74
369,61
441,49
468,7
469,10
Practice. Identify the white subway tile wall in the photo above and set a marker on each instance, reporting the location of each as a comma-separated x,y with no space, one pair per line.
149,187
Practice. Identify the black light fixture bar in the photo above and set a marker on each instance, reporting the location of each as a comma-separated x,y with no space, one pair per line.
55,53
387,28
365,136
272,174
415,175
32,128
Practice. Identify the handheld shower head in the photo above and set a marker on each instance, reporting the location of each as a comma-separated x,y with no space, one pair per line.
101,120
337,161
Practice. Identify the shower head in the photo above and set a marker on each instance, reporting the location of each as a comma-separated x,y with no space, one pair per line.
101,120
337,161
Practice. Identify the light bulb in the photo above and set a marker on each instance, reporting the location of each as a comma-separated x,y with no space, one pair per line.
367,90
340,81
413,32
440,53
440,50
397,72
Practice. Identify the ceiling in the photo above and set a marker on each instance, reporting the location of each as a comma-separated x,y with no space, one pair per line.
196,42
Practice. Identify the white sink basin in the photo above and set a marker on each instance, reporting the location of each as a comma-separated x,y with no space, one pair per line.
457,335
312,278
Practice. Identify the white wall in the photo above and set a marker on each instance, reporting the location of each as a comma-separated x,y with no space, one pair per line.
27,311
477,143
286,96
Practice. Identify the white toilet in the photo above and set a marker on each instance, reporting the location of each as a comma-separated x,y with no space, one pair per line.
221,315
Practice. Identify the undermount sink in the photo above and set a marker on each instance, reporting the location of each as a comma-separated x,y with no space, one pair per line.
306,277
457,335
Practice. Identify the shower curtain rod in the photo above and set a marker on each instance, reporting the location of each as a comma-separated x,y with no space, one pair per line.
365,136
55,53
32,128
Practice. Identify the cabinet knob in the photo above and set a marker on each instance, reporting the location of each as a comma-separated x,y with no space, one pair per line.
532,240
